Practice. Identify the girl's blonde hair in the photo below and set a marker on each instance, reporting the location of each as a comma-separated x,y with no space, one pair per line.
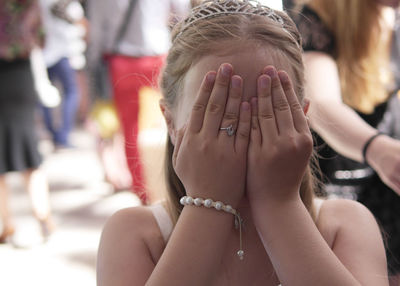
205,37
362,54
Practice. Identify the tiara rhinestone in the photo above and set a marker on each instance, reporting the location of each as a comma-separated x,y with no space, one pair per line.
214,8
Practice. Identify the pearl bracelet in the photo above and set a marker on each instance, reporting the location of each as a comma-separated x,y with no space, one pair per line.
219,206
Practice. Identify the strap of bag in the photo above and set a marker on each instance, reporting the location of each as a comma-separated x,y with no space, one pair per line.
124,26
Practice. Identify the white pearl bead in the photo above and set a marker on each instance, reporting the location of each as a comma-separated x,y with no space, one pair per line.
198,202
183,200
218,205
228,208
208,203
240,253
189,200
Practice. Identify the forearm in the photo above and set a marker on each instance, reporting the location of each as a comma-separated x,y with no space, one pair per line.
194,251
297,250
341,127
338,124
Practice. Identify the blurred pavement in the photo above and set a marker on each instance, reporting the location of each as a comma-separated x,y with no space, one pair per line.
81,203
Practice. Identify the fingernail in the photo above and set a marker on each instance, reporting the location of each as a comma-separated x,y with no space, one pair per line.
226,70
236,81
245,105
270,71
263,81
283,77
211,77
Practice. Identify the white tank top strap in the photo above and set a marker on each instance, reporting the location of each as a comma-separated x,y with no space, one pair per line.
318,204
163,219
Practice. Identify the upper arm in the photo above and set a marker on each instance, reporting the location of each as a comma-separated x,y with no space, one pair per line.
123,255
358,242
322,78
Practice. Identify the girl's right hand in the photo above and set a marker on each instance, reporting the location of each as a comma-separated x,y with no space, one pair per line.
280,141
209,162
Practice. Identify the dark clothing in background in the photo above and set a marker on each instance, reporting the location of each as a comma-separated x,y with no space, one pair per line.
20,32
345,177
18,140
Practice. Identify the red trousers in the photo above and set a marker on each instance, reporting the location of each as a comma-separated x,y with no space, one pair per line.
128,76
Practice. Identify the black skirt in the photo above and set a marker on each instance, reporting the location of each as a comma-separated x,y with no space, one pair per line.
18,102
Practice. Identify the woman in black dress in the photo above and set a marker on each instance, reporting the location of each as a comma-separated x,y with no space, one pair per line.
347,46
20,32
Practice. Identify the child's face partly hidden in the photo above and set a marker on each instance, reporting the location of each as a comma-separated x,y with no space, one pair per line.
248,63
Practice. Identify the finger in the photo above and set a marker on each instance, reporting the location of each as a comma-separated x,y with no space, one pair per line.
266,116
255,133
217,102
232,110
243,131
299,118
284,120
178,142
199,107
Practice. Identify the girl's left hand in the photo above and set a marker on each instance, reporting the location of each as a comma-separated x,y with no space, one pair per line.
280,141
210,162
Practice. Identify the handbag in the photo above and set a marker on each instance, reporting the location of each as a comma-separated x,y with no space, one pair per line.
100,75
48,94
103,112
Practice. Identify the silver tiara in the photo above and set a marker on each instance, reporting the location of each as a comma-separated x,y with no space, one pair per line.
214,8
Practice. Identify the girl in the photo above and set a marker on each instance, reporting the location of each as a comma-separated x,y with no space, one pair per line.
239,147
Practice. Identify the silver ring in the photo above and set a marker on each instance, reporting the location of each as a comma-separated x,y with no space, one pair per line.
229,130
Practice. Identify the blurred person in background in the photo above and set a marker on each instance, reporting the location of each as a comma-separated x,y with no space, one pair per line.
20,32
63,54
347,58
133,38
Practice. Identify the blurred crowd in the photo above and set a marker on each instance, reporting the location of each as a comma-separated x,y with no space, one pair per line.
84,62
90,63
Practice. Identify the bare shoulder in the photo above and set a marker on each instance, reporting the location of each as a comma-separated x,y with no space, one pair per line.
343,209
136,223
339,214
132,221
131,239
353,234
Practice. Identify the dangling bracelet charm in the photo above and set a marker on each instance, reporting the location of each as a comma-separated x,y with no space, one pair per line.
219,206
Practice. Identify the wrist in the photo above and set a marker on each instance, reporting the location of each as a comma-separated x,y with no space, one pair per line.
218,206
274,204
207,203
374,149
368,145
273,211
230,197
